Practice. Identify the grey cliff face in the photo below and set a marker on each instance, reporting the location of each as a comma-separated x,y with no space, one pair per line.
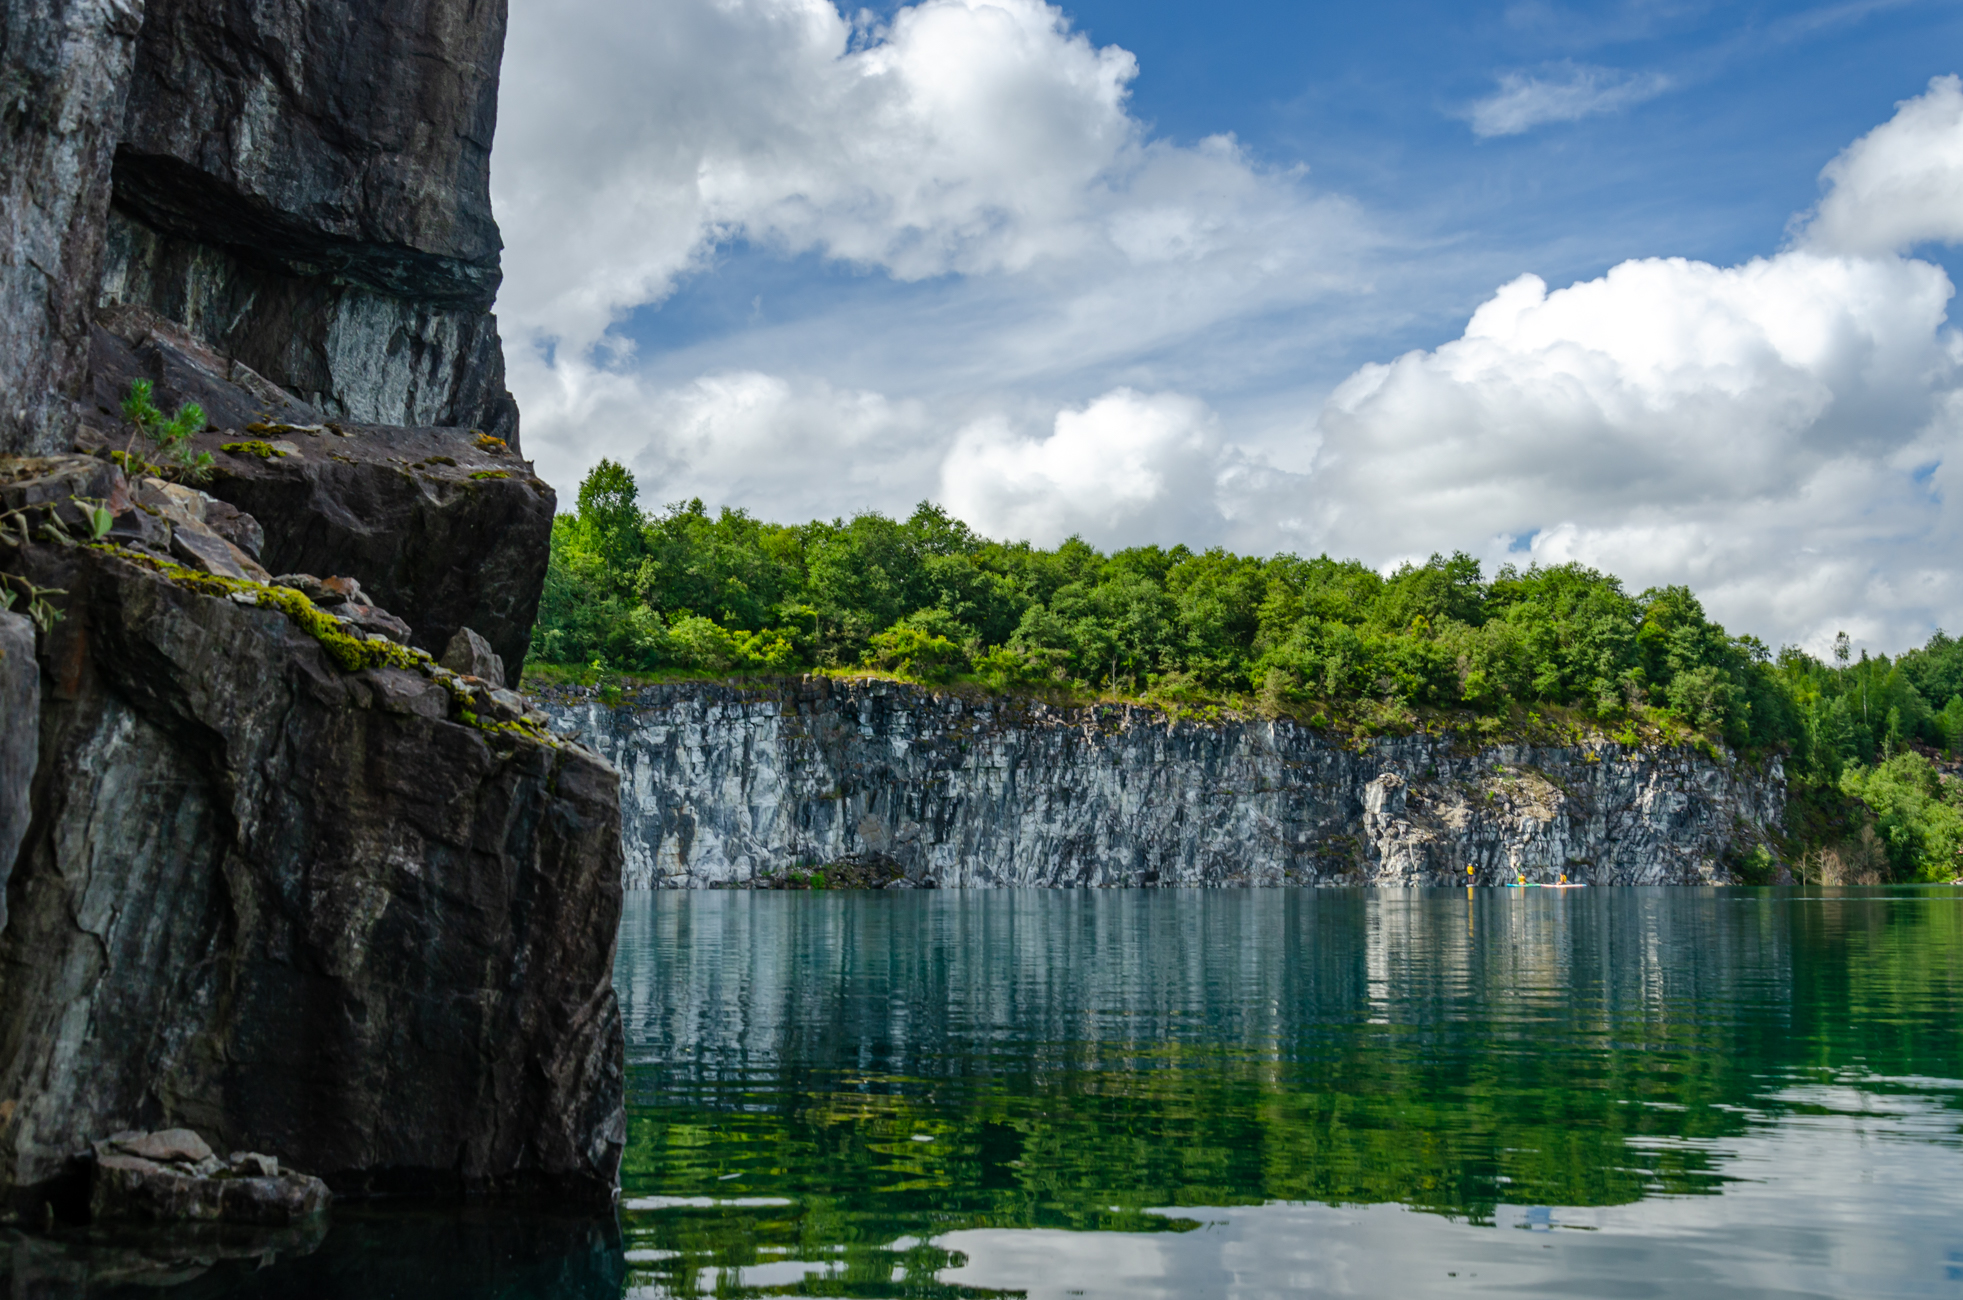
299,910
64,74
20,739
307,186
721,786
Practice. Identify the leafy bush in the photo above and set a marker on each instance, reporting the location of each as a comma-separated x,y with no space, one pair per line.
1919,813
697,642
912,651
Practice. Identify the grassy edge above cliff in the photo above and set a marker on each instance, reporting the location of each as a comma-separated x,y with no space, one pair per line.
1547,725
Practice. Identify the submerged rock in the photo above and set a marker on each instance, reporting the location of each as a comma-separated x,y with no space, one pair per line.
126,1254
173,1176
889,782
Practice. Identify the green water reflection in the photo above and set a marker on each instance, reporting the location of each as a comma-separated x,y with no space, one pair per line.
828,1090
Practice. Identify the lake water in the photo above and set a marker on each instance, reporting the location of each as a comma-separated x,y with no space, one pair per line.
1684,1093
1602,1093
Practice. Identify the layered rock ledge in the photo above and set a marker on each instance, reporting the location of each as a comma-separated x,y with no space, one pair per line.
905,786
296,903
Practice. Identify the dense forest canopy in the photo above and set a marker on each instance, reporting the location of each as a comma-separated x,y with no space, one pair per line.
1331,642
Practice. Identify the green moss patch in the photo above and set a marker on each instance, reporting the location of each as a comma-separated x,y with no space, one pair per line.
254,447
349,651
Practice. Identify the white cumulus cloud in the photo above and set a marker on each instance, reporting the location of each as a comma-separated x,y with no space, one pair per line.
1786,436
1126,469
979,149
1899,185
970,137
1569,93
783,447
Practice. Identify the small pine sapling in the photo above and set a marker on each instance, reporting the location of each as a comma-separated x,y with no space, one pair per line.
170,435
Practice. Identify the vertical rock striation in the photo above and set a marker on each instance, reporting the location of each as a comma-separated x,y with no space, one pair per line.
64,75
723,786
301,892
299,909
20,739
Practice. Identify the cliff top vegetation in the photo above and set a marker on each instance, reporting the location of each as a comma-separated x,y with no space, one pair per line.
1333,643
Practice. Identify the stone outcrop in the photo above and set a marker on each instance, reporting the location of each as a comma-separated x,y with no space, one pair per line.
355,915
724,786
445,527
173,1176
307,186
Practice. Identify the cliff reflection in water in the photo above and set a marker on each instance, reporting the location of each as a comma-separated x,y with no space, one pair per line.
873,1090
366,1252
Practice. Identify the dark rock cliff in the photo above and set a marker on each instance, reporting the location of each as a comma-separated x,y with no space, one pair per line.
267,871
725,786
299,909
307,186
64,75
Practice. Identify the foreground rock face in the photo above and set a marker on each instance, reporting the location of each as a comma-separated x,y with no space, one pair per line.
264,876
726,787
296,908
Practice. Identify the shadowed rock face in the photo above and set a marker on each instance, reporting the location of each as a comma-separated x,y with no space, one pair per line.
363,920
64,74
351,138
306,185
274,902
722,785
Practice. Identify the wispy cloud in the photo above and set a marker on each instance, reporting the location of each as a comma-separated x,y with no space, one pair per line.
1570,91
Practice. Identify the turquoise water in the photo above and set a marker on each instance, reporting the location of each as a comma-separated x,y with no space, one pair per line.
1679,1093
1602,1093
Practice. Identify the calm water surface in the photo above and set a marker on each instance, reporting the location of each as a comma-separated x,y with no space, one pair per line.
1603,1093
1686,1093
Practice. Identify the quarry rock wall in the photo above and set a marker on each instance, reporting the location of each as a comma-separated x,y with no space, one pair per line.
726,786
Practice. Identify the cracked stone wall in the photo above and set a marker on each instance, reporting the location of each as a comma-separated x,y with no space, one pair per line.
720,786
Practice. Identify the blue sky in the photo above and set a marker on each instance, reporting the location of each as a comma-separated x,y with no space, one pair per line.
1761,96
1146,272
